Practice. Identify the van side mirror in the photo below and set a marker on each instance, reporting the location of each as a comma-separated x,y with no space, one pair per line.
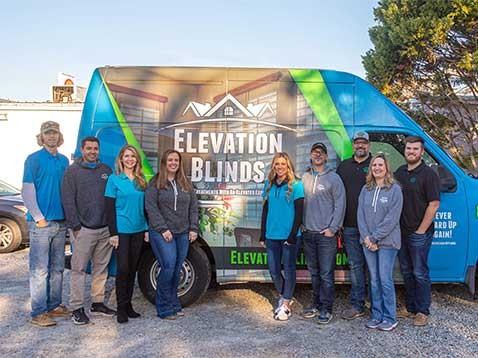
447,180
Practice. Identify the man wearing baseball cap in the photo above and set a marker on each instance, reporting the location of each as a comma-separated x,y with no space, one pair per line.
353,171
41,193
324,209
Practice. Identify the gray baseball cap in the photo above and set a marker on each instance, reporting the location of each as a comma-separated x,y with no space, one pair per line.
360,135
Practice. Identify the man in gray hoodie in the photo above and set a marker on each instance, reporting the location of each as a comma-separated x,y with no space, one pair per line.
82,193
324,210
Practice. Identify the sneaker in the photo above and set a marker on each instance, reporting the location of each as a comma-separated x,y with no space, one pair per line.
310,312
373,323
180,313
279,305
102,309
43,320
282,314
324,318
387,326
352,313
170,318
79,316
420,320
60,311
402,312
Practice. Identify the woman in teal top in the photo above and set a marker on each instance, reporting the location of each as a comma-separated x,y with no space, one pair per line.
281,218
124,197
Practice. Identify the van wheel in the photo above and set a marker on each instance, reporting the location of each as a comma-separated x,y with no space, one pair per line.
194,280
10,235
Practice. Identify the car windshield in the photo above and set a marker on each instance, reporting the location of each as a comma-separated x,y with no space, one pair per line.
7,189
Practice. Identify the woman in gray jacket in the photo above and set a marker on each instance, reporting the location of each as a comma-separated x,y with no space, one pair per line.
378,216
172,209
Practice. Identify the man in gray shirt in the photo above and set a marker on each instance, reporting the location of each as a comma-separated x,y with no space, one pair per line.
82,192
324,210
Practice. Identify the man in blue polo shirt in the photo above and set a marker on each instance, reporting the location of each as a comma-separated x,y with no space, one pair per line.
41,193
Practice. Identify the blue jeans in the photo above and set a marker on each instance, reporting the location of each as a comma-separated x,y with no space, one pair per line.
413,257
380,267
277,252
47,262
320,252
356,259
171,256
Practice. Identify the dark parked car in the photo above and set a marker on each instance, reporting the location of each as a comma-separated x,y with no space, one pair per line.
13,224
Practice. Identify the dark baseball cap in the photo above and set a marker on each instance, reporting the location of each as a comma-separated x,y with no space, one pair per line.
319,145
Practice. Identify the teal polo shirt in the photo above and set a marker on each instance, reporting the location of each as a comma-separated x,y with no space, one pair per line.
45,171
280,214
129,204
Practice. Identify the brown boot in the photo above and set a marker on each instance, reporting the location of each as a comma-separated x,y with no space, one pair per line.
402,312
60,311
420,320
43,320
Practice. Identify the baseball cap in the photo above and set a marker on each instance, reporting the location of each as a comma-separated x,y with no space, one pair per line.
360,135
319,145
50,126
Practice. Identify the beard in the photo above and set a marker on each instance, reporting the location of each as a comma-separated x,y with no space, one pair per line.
360,153
413,160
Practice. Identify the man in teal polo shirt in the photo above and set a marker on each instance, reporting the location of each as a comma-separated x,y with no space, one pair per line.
41,193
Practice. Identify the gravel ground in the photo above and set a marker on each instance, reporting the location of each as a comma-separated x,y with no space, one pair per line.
233,320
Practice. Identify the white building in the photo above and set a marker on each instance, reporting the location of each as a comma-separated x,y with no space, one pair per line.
20,123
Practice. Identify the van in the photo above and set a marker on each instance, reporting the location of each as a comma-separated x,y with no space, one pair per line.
228,123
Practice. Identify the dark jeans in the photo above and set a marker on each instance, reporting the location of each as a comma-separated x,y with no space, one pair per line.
355,255
320,252
127,257
413,257
171,256
277,252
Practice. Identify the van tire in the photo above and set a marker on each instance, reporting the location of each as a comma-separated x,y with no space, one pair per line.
10,235
192,287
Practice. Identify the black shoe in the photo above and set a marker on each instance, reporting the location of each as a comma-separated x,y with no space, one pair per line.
131,312
122,315
79,316
100,308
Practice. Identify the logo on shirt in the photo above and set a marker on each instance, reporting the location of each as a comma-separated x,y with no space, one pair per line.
320,187
413,180
104,176
365,170
384,200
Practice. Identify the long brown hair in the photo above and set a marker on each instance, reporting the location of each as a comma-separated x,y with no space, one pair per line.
138,168
180,177
389,180
290,175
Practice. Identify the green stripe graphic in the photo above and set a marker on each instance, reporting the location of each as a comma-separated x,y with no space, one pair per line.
315,92
129,135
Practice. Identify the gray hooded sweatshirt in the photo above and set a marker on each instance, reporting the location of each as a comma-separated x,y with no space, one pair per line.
324,203
378,216
171,208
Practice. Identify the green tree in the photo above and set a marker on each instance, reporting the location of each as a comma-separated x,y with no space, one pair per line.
425,58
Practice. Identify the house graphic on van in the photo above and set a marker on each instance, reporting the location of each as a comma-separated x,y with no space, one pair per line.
228,103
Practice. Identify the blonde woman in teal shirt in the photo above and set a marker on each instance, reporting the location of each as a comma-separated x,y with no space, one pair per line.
124,195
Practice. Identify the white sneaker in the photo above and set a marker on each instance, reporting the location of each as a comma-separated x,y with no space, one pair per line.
279,305
283,313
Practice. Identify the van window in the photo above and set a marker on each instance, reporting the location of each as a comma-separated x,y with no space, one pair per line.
393,145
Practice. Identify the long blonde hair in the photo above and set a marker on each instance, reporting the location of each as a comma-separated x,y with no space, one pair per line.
138,174
389,180
290,175
180,177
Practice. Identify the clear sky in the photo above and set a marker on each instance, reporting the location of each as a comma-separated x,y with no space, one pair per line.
41,37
